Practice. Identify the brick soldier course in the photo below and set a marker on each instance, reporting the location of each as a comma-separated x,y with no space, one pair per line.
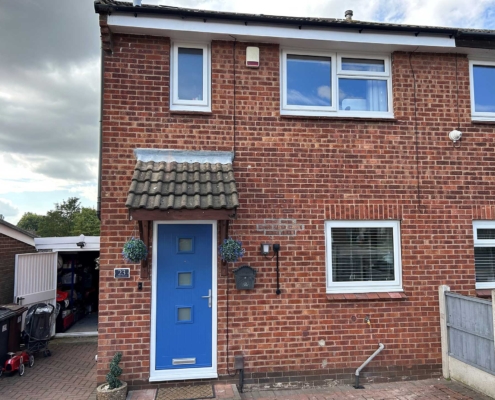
293,174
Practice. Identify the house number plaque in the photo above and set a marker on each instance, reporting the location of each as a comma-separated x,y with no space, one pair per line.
122,273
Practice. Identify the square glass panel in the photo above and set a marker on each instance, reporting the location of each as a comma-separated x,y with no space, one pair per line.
484,88
183,314
185,245
362,64
309,81
185,279
190,73
363,94
362,254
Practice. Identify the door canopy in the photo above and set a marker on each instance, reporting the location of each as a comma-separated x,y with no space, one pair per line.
180,185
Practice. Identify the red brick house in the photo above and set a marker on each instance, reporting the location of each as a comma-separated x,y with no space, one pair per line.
13,240
327,139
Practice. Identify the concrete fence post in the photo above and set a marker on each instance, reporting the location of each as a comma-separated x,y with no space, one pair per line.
443,329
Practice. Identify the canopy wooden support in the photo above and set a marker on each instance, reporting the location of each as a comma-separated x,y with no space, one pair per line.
145,228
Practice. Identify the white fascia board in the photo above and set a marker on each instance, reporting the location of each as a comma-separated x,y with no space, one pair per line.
15,234
67,243
284,34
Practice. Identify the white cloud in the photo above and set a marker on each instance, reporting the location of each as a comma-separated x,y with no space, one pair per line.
325,92
296,97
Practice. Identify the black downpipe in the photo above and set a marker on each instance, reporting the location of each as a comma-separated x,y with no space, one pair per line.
276,249
100,157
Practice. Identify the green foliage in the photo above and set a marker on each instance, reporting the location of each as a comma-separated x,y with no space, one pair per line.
30,222
115,371
67,219
86,222
231,250
134,250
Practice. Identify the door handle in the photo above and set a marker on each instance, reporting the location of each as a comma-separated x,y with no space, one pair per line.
208,297
19,300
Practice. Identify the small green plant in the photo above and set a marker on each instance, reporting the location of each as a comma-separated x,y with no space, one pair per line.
115,371
231,250
134,250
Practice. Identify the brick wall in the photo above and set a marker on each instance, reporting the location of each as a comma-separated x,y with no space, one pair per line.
9,247
293,174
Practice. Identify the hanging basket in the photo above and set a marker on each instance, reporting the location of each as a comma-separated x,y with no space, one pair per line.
134,250
231,250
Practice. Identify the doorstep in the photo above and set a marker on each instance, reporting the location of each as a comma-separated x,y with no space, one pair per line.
222,391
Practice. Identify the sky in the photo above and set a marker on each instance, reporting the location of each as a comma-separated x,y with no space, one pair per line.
50,83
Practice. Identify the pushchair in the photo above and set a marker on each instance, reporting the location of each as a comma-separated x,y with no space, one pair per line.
40,319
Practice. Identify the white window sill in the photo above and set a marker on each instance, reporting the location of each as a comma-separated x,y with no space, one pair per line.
476,118
334,114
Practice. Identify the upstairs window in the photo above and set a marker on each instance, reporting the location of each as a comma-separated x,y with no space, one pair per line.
334,84
190,82
363,256
482,74
484,254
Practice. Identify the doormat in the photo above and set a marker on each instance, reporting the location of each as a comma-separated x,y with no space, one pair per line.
186,392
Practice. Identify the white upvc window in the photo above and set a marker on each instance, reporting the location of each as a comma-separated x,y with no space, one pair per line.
363,256
316,83
482,77
190,82
484,254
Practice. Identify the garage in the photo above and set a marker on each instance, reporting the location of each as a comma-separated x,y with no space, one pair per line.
65,272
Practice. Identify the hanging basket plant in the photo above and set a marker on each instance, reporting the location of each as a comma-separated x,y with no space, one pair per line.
231,250
134,250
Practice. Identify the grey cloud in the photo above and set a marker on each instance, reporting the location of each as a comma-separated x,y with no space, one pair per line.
64,167
47,31
49,84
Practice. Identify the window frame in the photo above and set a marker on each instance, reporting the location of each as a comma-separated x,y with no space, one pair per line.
478,116
336,73
190,105
363,286
480,224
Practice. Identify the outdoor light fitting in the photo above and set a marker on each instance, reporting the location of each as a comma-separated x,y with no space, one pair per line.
81,242
264,249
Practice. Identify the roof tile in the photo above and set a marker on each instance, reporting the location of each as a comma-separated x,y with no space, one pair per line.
175,185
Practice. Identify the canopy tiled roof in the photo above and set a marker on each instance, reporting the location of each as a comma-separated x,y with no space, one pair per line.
166,185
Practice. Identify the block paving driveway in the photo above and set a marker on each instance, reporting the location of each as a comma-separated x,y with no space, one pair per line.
70,374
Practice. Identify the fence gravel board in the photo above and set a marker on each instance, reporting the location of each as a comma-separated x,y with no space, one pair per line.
470,331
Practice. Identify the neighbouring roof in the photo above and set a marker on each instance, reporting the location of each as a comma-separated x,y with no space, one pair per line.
17,233
16,228
178,180
108,6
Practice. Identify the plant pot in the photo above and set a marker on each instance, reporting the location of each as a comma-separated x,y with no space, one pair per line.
115,394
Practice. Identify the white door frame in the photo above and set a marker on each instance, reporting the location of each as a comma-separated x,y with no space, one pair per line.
186,373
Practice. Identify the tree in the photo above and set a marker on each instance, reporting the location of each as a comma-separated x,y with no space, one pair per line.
30,222
86,222
53,224
67,219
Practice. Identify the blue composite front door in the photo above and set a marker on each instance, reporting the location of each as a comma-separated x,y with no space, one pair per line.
184,301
